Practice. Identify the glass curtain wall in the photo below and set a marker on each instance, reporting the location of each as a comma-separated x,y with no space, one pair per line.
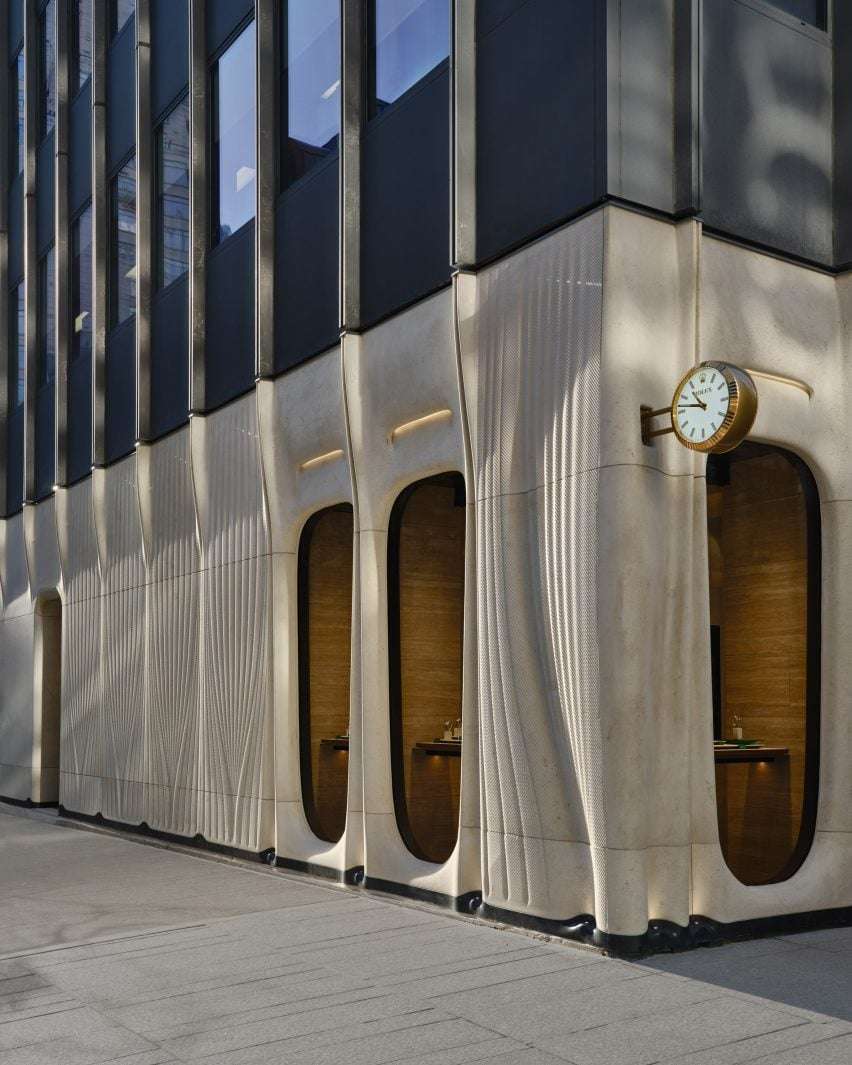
234,165
80,56
122,277
17,96
408,39
311,51
47,69
172,240
81,286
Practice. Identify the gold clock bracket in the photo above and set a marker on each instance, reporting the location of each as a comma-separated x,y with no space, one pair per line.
647,415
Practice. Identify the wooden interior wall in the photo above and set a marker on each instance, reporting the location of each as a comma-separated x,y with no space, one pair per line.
329,636
431,618
758,597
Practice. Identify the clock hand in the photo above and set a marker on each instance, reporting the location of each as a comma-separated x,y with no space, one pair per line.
697,400
683,406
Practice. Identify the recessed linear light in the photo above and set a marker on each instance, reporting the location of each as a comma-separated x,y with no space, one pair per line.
331,90
419,423
322,460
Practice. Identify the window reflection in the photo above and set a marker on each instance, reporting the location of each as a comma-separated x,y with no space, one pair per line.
18,347
173,195
81,286
812,11
81,43
46,319
312,86
234,158
18,91
119,12
409,39
123,244
47,72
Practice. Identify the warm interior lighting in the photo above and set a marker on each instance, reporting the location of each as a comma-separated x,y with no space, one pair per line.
781,379
419,423
322,460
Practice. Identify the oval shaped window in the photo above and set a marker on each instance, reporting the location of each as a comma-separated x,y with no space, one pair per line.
765,572
325,651
426,560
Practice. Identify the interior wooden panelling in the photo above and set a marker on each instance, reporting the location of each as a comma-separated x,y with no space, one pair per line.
329,633
758,596
431,616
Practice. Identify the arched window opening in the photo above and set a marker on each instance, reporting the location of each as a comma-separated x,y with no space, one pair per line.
325,641
765,572
426,561
48,696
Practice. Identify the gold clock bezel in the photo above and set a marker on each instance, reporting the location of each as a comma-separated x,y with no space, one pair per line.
742,409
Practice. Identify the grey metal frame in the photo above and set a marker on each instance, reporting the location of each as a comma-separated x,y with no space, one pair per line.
199,203
100,230
463,127
5,346
31,139
62,258
145,220
351,125
266,185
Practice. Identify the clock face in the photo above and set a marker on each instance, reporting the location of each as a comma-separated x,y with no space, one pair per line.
701,406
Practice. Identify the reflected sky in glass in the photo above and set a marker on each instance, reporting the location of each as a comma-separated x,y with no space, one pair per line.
313,71
17,369
18,120
234,154
82,55
412,38
48,68
123,249
46,370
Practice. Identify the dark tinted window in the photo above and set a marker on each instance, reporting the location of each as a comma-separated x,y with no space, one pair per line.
81,43
17,92
311,83
173,195
81,286
234,137
47,72
409,38
123,244
17,347
119,12
46,315
812,11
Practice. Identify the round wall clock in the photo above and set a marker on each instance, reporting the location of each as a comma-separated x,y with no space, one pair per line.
714,407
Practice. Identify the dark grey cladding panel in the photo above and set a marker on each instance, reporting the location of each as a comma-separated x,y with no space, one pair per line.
121,99
306,275
44,443
223,17
170,358
16,25
16,230
169,52
79,419
15,464
405,242
539,75
230,318
843,133
767,129
80,163
121,391
44,194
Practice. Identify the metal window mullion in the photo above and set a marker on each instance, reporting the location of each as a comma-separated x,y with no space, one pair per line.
31,132
463,126
145,220
199,199
265,185
62,285
5,332
100,231
351,124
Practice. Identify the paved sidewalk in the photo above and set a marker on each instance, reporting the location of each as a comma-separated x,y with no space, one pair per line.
117,951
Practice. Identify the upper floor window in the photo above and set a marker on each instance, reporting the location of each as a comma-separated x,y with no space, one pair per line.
17,347
173,195
47,68
18,95
234,136
81,286
311,84
119,12
122,250
408,39
46,319
811,11
81,43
